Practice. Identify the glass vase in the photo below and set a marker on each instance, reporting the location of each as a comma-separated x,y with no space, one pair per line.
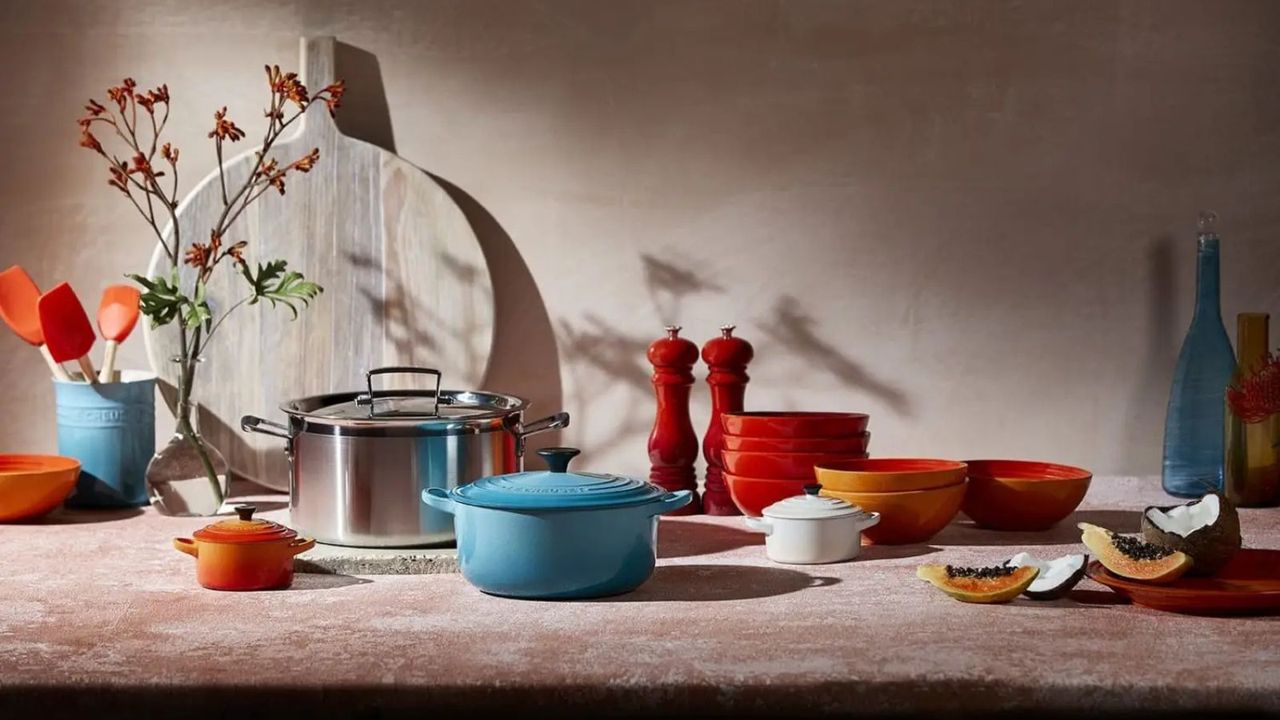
188,477
1193,432
1252,465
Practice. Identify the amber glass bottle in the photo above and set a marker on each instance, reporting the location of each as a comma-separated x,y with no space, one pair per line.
1252,463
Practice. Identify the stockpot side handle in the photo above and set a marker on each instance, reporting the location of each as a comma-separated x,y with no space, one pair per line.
553,422
255,424
396,370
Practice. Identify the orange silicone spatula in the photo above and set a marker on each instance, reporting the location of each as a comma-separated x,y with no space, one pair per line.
19,298
67,332
117,314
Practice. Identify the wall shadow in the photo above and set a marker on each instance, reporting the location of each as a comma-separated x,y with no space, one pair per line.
1146,407
793,328
364,92
525,359
668,283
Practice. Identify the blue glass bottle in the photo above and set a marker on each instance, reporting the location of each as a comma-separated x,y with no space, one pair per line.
1193,437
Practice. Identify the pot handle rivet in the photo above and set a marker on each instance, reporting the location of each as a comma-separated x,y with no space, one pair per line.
557,458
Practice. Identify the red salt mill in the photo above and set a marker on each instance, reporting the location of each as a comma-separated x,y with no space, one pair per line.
727,356
673,446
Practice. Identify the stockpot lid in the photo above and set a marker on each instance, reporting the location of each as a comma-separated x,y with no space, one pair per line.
811,506
557,488
445,408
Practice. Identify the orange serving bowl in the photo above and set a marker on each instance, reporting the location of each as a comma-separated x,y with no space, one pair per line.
753,495
889,474
794,424
789,466
850,445
1022,494
32,485
910,516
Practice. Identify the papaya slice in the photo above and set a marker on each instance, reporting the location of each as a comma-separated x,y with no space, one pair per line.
1134,559
997,584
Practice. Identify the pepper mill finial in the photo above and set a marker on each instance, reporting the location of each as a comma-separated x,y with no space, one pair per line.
673,446
727,357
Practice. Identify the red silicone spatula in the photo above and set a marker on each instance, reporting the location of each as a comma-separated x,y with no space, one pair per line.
67,332
117,314
19,299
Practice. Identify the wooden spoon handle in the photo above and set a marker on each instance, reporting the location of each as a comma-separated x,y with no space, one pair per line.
108,361
55,366
86,366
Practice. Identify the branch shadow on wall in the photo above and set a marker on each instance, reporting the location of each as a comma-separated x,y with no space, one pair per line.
794,329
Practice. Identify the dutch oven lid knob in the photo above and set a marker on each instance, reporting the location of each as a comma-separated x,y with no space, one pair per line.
812,489
245,511
557,458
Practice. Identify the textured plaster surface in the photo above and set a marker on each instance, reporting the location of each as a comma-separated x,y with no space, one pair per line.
98,613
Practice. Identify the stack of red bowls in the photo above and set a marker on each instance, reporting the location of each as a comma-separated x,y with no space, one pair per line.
769,456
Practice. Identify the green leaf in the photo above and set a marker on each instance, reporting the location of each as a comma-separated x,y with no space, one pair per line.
278,285
162,301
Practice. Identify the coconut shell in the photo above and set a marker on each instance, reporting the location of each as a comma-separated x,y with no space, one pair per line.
1210,547
1062,588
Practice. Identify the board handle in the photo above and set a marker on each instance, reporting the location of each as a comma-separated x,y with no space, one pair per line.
319,68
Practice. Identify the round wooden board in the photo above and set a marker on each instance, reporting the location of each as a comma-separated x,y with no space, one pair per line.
405,283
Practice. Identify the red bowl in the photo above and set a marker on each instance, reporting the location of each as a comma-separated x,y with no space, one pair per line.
852,445
753,495
788,466
794,424
1023,494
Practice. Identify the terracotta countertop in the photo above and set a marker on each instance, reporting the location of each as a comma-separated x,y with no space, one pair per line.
98,615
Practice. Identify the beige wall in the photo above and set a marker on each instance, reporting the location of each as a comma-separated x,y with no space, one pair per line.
972,219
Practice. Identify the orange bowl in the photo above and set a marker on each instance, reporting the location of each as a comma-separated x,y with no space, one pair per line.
889,474
752,495
850,445
1022,494
789,466
910,516
32,485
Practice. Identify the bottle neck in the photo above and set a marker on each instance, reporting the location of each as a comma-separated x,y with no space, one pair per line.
1208,295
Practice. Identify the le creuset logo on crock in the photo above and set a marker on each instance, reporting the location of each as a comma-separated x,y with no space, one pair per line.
94,415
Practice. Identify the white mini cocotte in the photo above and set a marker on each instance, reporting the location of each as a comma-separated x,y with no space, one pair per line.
810,529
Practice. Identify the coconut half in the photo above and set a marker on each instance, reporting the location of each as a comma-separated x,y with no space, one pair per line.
1057,576
1207,529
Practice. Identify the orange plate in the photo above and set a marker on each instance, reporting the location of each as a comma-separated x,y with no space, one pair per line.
912,516
1248,585
32,485
791,466
1023,495
889,474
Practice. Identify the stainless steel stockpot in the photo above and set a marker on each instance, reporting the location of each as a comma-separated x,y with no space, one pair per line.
360,461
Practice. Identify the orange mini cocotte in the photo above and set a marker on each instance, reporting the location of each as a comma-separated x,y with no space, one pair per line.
243,553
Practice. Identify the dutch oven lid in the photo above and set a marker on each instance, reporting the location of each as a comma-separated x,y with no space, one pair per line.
556,488
244,529
405,405
811,506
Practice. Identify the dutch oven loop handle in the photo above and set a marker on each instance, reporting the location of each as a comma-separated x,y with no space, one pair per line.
554,422
396,369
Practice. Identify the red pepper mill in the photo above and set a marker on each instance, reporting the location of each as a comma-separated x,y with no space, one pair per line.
727,356
673,447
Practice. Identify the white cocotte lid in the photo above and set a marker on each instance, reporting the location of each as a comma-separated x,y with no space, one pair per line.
811,506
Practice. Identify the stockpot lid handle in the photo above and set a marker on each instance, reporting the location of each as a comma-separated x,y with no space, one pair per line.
395,369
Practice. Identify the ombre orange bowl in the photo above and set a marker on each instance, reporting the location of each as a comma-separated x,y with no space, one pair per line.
1023,495
753,495
911,516
889,474
790,424
851,445
33,485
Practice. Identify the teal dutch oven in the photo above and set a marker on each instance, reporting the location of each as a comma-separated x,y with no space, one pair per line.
556,534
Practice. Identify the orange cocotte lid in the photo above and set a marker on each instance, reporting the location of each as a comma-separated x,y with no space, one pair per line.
244,529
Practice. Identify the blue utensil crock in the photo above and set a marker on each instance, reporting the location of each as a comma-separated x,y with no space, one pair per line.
556,535
111,429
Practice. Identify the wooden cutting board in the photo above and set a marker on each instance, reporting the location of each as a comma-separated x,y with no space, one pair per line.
405,283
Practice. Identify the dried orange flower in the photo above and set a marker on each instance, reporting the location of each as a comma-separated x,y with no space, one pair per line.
333,97
94,108
169,153
87,140
287,85
306,162
237,251
197,255
224,129
119,177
